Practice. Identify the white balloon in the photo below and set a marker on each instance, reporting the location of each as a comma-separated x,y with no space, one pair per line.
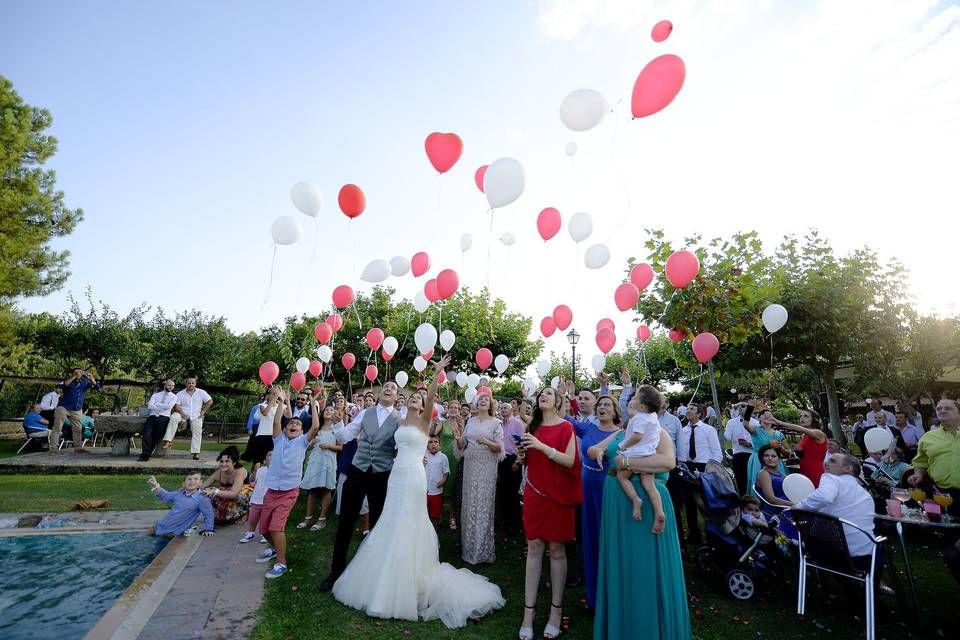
501,362
503,182
286,230
597,256
555,382
583,109
420,302
580,226
425,337
419,363
543,368
399,266
877,439
529,386
473,380
447,338
303,364
470,395
774,317
402,378
570,148
733,390
324,353
461,379
598,362
508,239
376,271
466,241
797,487
390,345
307,198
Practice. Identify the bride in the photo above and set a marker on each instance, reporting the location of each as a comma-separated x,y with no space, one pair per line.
396,572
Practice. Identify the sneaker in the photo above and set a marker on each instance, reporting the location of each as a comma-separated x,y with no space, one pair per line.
247,537
263,540
266,555
277,570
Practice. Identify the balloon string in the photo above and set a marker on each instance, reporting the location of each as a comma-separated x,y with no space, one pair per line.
619,171
316,239
699,380
489,244
406,330
359,322
643,358
273,262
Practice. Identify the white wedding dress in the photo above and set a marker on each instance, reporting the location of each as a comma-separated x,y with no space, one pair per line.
396,572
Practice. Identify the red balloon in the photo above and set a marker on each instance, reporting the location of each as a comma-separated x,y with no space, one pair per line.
430,290
641,276
443,150
375,338
705,346
643,333
447,283
676,336
323,332
606,339
387,357
484,358
436,412
478,176
371,372
562,316
547,326
626,296
548,223
298,380
661,30
484,391
335,321
348,360
269,372
682,268
342,296
441,379
316,368
426,356
657,85
420,264
352,201
606,322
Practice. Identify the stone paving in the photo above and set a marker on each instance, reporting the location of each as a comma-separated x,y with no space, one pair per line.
99,461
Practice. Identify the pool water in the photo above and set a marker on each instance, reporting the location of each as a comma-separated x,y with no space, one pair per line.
58,586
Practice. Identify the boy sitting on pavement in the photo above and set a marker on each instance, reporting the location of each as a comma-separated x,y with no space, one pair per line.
188,503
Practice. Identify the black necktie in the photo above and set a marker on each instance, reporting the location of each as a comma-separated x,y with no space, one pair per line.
693,443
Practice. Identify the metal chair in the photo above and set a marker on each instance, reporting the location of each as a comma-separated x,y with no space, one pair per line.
823,546
33,436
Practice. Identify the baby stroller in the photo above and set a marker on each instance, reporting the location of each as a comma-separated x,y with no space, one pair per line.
729,551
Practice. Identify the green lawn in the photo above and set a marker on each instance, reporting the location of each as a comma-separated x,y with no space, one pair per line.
34,493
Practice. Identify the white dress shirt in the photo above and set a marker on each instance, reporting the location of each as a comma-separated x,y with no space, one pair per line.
346,433
161,403
735,430
437,466
671,426
911,434
50,401
872,418
708,444
192,404
844,497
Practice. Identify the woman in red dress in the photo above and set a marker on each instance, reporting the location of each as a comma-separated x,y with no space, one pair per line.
812,446
550,497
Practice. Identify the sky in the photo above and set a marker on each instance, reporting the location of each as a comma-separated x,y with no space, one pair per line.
182,127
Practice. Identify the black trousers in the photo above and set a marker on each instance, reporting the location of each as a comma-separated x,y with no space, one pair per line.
152,433
740,463
358,485
688,499
508,494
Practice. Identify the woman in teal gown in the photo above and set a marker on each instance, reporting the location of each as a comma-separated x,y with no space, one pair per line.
762,436
641,591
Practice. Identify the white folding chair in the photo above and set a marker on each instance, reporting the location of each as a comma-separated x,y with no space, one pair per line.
32,436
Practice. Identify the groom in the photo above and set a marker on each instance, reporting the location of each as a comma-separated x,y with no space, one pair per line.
368,475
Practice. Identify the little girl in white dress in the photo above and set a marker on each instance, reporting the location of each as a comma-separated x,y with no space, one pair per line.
641,440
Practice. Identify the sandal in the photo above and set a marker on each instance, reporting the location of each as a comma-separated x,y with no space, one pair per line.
453,524
550,631
321,523
526,633
305,523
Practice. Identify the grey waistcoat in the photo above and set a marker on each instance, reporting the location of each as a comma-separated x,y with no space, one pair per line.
376,446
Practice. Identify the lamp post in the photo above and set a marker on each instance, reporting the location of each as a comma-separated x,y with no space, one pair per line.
573,338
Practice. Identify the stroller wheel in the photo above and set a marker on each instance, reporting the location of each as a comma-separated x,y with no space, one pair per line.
703,560
740,584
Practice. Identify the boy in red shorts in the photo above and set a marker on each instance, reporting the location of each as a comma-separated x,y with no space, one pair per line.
438,470
283,483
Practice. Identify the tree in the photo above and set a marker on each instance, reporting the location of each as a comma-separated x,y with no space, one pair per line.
31,209
189,344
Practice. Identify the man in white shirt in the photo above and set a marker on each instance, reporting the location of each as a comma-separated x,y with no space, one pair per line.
698,444
840,494
192,404
876,408
48,404
742,443
161,405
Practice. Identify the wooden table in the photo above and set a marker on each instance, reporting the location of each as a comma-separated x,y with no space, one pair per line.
121,427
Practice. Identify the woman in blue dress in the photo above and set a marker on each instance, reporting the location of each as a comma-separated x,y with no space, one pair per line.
762,436
641,591
770,488
594,475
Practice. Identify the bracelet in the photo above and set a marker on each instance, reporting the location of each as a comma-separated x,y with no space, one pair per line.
553,454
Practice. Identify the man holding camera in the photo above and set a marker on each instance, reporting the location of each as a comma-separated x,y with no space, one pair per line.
71,406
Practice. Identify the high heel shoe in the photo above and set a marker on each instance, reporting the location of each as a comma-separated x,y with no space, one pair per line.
526,633
551,631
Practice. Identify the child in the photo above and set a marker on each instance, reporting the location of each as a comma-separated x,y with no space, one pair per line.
283,485
641,440
321,474
438,470
259,480
188,503
753,520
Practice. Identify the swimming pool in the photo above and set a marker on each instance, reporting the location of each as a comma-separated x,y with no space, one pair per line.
58,586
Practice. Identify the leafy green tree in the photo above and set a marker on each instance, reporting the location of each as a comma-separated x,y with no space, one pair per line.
189,344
